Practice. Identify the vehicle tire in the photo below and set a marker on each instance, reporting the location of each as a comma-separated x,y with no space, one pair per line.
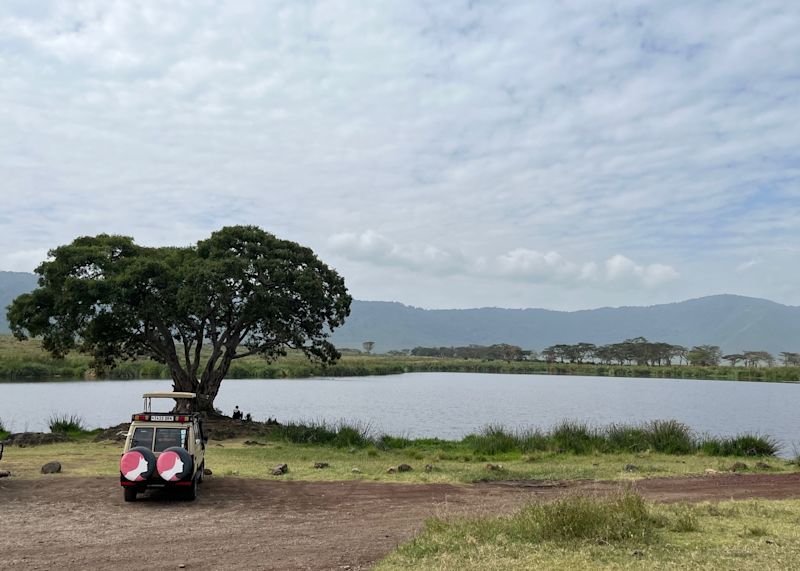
175,464
190,494
130,466
130,493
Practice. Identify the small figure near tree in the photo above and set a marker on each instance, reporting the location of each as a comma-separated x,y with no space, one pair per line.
368,345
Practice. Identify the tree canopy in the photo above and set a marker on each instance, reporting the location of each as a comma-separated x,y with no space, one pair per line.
240,292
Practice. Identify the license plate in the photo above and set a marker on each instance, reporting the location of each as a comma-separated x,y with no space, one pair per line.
161,418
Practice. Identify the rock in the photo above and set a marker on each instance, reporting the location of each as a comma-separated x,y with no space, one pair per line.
738,467
763,466
391,470
631,468
321,465
207,472
280,469
113,434
494,467
404,468
4,473
51,468
711,472
355,471
430,467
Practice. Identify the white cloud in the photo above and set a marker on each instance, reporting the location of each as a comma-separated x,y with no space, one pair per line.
744,266
462,130
621,269
522,264
369,246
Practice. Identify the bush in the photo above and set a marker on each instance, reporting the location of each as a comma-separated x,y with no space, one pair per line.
741,445
492,440
66,424
670,437
624,517
576,437
343,435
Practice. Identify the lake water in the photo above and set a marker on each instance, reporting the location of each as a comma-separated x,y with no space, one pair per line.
446,405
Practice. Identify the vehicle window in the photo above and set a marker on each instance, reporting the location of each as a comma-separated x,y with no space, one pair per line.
143,437
167,437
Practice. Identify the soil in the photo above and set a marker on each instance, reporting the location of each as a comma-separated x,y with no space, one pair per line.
83,523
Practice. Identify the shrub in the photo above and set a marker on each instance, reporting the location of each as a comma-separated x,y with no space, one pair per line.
576,437
670,437
492,440
741,445
66,424
343,435
617,518
625,438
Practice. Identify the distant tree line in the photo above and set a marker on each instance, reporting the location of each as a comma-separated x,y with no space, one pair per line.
500,351
637,351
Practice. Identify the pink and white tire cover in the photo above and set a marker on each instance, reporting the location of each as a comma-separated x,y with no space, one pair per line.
134,466
172,466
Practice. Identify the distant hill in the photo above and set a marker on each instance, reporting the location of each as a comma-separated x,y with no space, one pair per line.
733,322
11,285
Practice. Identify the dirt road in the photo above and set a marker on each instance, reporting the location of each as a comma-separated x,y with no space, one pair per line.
82,523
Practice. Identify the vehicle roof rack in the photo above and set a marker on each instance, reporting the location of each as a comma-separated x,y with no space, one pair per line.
164,395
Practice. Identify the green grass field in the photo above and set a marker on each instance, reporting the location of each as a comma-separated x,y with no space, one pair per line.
625,532
451,464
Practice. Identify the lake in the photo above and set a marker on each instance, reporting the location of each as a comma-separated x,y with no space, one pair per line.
445,405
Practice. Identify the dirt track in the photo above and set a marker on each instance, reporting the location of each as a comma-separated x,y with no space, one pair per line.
82,523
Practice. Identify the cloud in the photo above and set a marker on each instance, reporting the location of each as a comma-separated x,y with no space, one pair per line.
744,266
371,247
619,268
519,264
536,142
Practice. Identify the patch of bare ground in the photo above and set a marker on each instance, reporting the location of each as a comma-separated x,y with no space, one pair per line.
82,523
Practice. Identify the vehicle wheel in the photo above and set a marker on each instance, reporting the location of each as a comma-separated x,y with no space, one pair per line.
190,494
130,494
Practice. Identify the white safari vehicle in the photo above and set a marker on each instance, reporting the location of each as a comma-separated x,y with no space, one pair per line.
163,450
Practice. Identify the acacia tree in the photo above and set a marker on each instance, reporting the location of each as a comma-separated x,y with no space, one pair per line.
196,309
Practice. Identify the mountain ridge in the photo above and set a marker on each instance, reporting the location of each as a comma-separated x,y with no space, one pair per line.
734,322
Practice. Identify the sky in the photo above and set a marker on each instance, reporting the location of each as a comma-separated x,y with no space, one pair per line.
444,154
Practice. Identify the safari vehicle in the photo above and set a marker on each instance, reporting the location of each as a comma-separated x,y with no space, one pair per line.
163,450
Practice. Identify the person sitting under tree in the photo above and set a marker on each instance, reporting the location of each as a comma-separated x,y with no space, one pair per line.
237,414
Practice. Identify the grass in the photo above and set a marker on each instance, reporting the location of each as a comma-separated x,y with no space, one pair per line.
70,424
451,462
341,435
620,532
25,360
663,436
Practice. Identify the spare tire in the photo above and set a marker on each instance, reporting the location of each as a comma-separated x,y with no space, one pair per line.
137,464
175,464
